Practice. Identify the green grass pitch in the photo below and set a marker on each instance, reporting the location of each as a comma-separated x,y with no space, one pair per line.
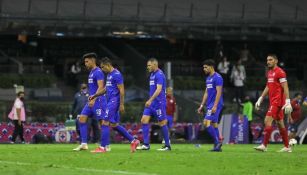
185,159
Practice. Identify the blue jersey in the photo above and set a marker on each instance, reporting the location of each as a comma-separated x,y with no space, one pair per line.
156,78
211,83
95,75
114,78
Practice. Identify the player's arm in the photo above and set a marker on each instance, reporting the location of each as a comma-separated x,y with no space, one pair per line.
260,99
154,95
217,98
287,106
121,89
205,96
100,91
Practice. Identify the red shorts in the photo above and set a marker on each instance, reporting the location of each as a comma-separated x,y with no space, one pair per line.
276,112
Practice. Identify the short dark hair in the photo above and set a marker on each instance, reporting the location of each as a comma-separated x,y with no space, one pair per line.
90,55
19,93
273,55
106,60
209,62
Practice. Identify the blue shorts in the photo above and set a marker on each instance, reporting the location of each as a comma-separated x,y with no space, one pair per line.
97,110
112,112
157,110
213,117
293,127
169,121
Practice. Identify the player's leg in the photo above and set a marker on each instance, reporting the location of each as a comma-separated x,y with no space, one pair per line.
145,129
95,128
165,133
15,133
209,117
101,114
283,131
83,129
105,137
169,126
21,133
267,128
159,111
216,120
78,128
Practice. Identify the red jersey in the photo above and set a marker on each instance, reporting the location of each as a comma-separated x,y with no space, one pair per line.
275,78
170,105
296,113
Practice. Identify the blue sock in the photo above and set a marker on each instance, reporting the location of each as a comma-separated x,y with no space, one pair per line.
165,134
124,133
217,132
212,133
145,128
83,132
105,135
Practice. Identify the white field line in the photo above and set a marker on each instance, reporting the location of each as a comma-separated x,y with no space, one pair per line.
81,169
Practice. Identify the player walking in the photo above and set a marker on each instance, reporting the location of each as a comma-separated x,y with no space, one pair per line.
214,102
115,103
155,106
278,91
95,106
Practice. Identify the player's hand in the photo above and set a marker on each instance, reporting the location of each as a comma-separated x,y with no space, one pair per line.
200,109
91,103
148,103
287,107
258,103
213,110
19,122
91,97
122,108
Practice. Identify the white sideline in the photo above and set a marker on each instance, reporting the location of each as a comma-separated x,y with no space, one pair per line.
81,169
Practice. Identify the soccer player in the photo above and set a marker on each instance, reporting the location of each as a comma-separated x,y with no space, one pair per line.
95,106
295,116
214,102
278,91
155,106
170,107
115,93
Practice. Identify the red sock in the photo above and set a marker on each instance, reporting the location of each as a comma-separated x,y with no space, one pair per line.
267,134
284,134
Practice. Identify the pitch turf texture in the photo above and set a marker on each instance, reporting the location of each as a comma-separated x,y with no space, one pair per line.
185,159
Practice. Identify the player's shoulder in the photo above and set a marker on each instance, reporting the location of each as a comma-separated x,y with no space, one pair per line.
279,70
218,76
160,73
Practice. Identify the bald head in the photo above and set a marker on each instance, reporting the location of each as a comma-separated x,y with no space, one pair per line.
152,64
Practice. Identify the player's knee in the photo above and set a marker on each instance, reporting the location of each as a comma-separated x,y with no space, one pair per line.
163,122
113,125
207,123
145,120
280,124
268,121
82,119
215,125
105,123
